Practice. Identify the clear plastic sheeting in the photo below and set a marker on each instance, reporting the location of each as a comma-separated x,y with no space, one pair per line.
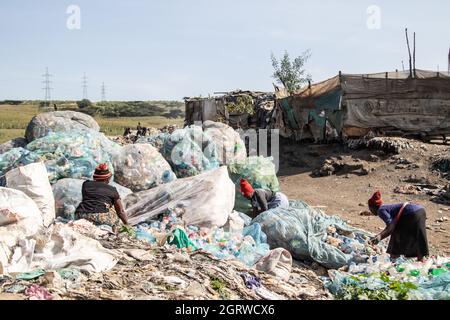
229,145
73,154
141,167
303,231
59,121
67,193
204,200
190,151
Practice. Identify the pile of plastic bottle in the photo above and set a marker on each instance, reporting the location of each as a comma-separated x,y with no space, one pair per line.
355,244
156,140
16,157
428,280
190,151
248,246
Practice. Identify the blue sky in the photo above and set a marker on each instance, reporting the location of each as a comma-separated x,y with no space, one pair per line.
169,49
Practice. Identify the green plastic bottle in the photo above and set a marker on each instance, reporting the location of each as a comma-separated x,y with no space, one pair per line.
414,273
400,268
438,271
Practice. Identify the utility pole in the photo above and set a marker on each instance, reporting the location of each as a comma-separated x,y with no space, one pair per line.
103,92
403,66
47,88
85,95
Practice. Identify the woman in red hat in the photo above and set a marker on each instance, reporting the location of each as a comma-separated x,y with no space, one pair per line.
263,199
101,202
405,223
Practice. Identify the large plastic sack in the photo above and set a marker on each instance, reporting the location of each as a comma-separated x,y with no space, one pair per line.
74,154
19,218
11,144
141,167
302,231
16,157
229,145
190,151
67,193
32,180
204,200
58,121
60,247
278,263
259,172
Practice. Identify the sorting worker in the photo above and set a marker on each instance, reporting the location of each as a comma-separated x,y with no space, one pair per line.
101,202
263,199
405,223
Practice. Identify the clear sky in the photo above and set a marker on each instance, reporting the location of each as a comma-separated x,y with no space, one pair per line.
169,49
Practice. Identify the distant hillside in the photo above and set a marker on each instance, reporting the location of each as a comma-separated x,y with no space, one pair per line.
111,109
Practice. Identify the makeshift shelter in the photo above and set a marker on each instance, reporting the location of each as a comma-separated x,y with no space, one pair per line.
352,105
239,109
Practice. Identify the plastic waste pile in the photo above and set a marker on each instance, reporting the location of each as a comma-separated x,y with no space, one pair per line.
309,234
383,279
190,151
229,145
247,245
16,157
156,140
59,121
259,172
141,167
73,154
67,194
11,144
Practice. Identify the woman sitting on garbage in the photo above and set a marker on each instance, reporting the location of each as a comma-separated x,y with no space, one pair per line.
101,202
263,199
405,223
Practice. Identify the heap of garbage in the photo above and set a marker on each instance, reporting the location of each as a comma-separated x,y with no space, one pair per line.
189,235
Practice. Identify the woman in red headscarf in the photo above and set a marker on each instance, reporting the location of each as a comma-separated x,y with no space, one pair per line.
405,224
101,202
263,199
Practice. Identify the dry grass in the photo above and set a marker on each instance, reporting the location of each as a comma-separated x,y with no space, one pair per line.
14,120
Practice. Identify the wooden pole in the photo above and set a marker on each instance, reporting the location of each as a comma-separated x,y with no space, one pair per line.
414,56
409,53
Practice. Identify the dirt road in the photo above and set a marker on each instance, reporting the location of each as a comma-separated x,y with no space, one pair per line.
346,193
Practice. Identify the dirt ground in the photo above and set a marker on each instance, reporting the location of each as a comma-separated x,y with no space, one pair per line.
346,193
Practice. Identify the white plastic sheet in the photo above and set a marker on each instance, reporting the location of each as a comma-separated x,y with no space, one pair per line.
206,199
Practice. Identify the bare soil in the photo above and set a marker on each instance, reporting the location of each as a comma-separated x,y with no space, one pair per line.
346,193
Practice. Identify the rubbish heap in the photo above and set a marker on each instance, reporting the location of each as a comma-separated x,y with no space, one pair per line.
402,279
141,167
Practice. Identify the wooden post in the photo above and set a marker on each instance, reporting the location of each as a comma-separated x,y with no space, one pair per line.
414,56
409,53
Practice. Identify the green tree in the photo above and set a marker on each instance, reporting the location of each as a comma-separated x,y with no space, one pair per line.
84,103
291,73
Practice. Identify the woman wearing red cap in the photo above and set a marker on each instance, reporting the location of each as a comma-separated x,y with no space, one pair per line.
101,202
405,223
263,199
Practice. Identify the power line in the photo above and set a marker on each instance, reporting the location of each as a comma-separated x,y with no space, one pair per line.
85,95
103,92
47,87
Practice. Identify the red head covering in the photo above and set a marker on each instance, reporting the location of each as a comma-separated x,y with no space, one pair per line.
102,172
375,201
246,188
